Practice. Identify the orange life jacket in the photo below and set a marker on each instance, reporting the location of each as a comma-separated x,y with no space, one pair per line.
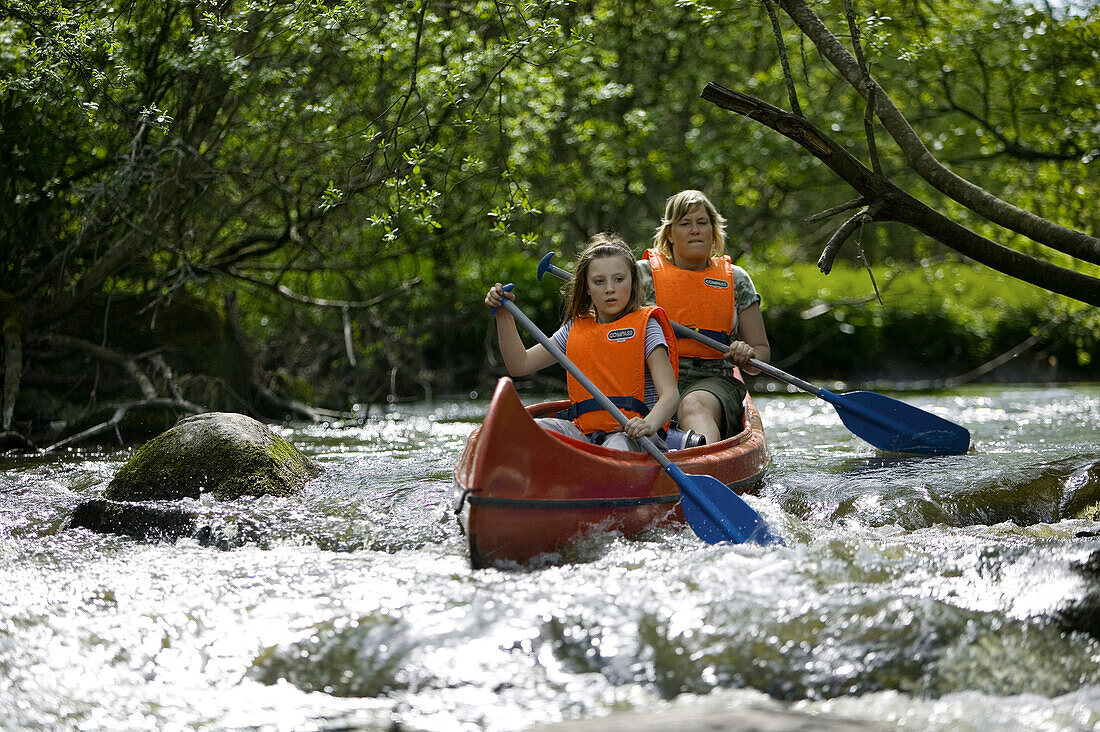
703,301
612,355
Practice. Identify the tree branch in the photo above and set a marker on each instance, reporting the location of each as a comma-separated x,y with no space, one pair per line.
121,360
902,207
869,114
320,302
792,95
920,159
1010,147
848,206
865,216
1008,355
120,413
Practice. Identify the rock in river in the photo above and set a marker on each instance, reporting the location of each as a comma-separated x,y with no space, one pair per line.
220,454
228,455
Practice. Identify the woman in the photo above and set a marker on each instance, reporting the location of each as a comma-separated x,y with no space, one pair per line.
628,351
687,274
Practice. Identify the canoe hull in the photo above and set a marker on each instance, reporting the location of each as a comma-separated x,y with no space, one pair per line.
522,491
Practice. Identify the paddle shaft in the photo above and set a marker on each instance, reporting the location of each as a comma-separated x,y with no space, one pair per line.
571,367
683,330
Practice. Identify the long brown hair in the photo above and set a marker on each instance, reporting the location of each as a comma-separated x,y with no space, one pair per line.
604,244
677,208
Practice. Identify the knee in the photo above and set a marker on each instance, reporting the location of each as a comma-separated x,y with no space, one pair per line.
694,405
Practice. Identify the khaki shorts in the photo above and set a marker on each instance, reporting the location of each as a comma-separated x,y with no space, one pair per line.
730,392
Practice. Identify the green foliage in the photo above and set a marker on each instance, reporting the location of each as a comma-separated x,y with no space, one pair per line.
1005,93
935,321
349,177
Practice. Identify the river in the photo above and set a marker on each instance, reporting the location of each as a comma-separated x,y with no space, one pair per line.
944,593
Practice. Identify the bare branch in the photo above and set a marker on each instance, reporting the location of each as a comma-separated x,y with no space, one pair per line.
865,216
782,47
854,203
349,344
869,131
123,361
869,113
1008,355
320,302
1013,148
165,372
120,413
866,261
920,159
832,247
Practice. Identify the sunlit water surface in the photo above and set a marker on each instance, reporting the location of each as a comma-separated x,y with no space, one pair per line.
935,593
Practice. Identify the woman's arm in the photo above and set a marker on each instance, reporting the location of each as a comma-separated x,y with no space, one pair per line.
518,359
753,340
668,396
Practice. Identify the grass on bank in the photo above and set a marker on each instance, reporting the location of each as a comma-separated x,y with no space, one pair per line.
939,320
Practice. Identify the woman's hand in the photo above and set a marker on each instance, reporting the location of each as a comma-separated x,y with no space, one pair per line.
740,353
638,427
495,297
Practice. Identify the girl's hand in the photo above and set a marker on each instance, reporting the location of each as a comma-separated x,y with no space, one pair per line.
638,427
740,353
495,297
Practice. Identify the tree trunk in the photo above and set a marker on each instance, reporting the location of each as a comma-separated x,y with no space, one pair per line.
13,368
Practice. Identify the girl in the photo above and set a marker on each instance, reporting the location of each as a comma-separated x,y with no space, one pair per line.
626,350
687,274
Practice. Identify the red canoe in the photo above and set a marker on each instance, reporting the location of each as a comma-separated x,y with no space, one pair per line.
521,491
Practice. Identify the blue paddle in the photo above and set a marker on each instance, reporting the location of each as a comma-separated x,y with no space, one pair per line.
886,423
713,511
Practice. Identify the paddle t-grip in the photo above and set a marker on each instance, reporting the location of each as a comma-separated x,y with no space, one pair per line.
507,288
545,266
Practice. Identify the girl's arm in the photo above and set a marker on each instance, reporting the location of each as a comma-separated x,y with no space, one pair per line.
753,341
518,359
668,396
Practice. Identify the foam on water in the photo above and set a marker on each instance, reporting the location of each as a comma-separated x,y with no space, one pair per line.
930,592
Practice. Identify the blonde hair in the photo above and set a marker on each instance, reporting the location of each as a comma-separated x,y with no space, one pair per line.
677,208
604,244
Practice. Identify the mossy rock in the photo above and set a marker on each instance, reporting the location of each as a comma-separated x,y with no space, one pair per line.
223,454
154,522
146,522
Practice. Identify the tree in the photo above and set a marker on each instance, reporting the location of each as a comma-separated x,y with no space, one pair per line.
254,206
883,200
256,153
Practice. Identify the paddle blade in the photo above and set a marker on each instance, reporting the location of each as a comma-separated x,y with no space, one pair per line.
715,513
895,426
